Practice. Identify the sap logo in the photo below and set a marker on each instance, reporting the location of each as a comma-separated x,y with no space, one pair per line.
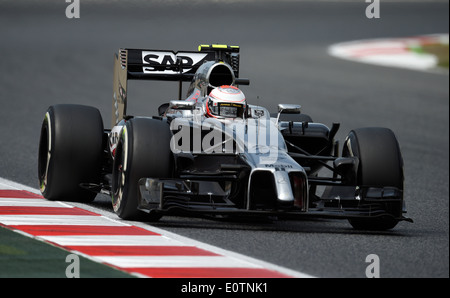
158,62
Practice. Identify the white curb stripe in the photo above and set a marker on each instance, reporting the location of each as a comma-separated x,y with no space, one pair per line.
72,220
176,262
114,240
5,202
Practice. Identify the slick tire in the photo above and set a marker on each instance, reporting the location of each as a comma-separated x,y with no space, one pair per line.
143,151
70,152
380,165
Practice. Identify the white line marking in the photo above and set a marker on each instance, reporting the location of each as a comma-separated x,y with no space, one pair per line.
115,240
6,202
13,220
177,261
8,184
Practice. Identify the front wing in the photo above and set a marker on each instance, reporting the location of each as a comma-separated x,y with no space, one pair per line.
204,198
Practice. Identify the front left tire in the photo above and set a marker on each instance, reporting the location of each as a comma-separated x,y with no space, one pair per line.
70,152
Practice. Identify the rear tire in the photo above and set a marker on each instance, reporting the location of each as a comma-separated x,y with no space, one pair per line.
380,165
143,152
70,152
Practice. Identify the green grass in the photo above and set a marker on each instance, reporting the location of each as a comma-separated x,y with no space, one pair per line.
441,51
25,257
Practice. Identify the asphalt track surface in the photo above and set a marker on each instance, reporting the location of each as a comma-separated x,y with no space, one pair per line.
48,59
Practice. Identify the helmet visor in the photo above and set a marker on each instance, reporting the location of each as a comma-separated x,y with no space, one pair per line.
229,110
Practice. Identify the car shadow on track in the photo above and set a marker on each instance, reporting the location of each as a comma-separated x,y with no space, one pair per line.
316,226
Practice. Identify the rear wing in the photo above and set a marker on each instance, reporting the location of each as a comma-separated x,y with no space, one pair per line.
139,64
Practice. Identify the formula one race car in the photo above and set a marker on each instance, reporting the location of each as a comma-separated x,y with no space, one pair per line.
211,153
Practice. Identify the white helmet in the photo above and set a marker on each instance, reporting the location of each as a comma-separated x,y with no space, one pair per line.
226,102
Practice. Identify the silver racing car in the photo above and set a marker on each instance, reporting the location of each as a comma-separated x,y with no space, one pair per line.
211,153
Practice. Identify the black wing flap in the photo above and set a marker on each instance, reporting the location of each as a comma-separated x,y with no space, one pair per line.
164,65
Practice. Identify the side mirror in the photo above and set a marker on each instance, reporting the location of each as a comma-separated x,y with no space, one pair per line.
285,108
289,108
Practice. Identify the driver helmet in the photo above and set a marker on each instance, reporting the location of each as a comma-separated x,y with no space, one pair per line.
226,102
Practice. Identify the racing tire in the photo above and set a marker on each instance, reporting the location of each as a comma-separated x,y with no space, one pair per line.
380,165
70,152
143,151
